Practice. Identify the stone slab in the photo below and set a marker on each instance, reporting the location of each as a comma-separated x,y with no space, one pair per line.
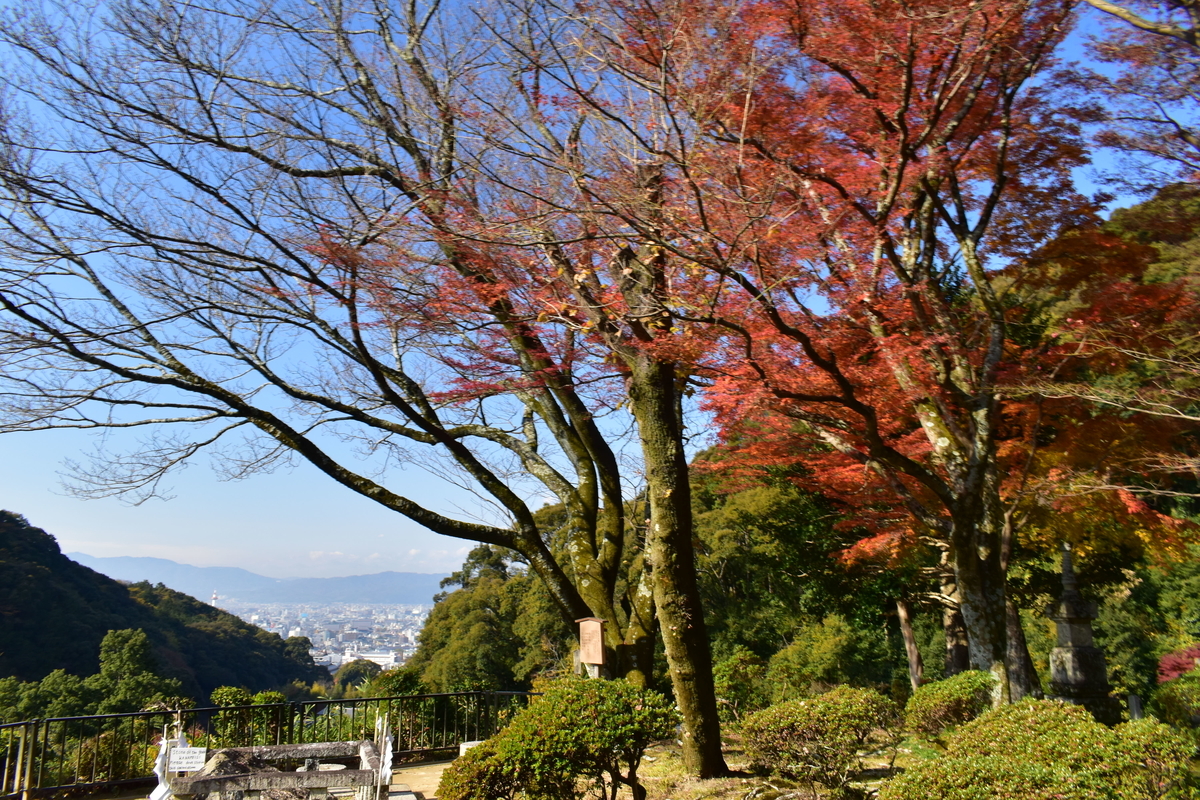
258,781
276,752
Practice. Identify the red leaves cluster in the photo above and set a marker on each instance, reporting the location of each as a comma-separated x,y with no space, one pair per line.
1172,665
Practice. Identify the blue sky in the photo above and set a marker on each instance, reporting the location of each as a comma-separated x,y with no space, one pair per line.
291,523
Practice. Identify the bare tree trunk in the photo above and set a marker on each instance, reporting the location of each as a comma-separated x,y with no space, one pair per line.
982,601
635,652
1022,677
957,658
916,669
669,542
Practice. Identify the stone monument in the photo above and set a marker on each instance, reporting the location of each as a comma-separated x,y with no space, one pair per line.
1078,673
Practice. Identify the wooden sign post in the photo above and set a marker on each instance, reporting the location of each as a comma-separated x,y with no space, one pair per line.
591,645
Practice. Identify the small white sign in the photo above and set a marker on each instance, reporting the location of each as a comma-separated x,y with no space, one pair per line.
591,640
187,759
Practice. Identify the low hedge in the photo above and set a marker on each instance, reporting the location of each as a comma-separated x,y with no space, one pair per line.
579,733
1039,750
1052,733
817,739
935,707
476,774
991,778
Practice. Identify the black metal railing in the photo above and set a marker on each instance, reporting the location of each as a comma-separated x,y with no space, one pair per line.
107,751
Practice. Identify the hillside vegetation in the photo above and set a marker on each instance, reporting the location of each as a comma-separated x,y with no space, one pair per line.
54,614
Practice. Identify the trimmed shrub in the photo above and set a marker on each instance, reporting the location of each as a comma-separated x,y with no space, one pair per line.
478,774
1050,749
935,707
1178,701
817,739
578,730
1048,732
1156,759
991,778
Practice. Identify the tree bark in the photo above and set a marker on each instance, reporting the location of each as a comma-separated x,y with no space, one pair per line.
655,403
916,669
982,598
1022,677
957,658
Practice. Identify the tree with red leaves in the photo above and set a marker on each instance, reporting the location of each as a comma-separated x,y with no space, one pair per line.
865,171
274,229
1172,665
1117,315
856,193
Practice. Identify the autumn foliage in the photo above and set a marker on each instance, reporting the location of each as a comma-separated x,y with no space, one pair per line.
530,243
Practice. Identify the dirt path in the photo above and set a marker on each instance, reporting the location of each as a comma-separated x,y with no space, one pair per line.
421,779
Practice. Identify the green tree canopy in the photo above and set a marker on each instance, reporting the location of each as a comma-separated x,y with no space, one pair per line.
356,672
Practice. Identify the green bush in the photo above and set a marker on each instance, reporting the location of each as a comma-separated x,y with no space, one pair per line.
1052,733
114,755
268,698
397,682
478,774
230,696
355,674
935,707
991,778
1178,701
740,685
1156,759
1038,750
817,739
577,730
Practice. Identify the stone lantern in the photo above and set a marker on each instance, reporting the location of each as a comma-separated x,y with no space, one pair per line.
1078,673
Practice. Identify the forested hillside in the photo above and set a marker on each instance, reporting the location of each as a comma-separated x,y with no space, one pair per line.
54,614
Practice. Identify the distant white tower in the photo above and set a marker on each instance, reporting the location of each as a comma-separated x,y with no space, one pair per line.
214,598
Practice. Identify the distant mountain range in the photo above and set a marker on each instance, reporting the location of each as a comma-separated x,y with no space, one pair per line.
234,583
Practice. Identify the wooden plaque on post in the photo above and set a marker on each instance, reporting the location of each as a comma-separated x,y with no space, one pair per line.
591,640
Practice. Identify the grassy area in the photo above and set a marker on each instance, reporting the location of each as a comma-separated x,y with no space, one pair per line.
663,775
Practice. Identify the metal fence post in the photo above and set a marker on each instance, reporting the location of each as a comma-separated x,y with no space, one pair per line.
19,766
27,781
